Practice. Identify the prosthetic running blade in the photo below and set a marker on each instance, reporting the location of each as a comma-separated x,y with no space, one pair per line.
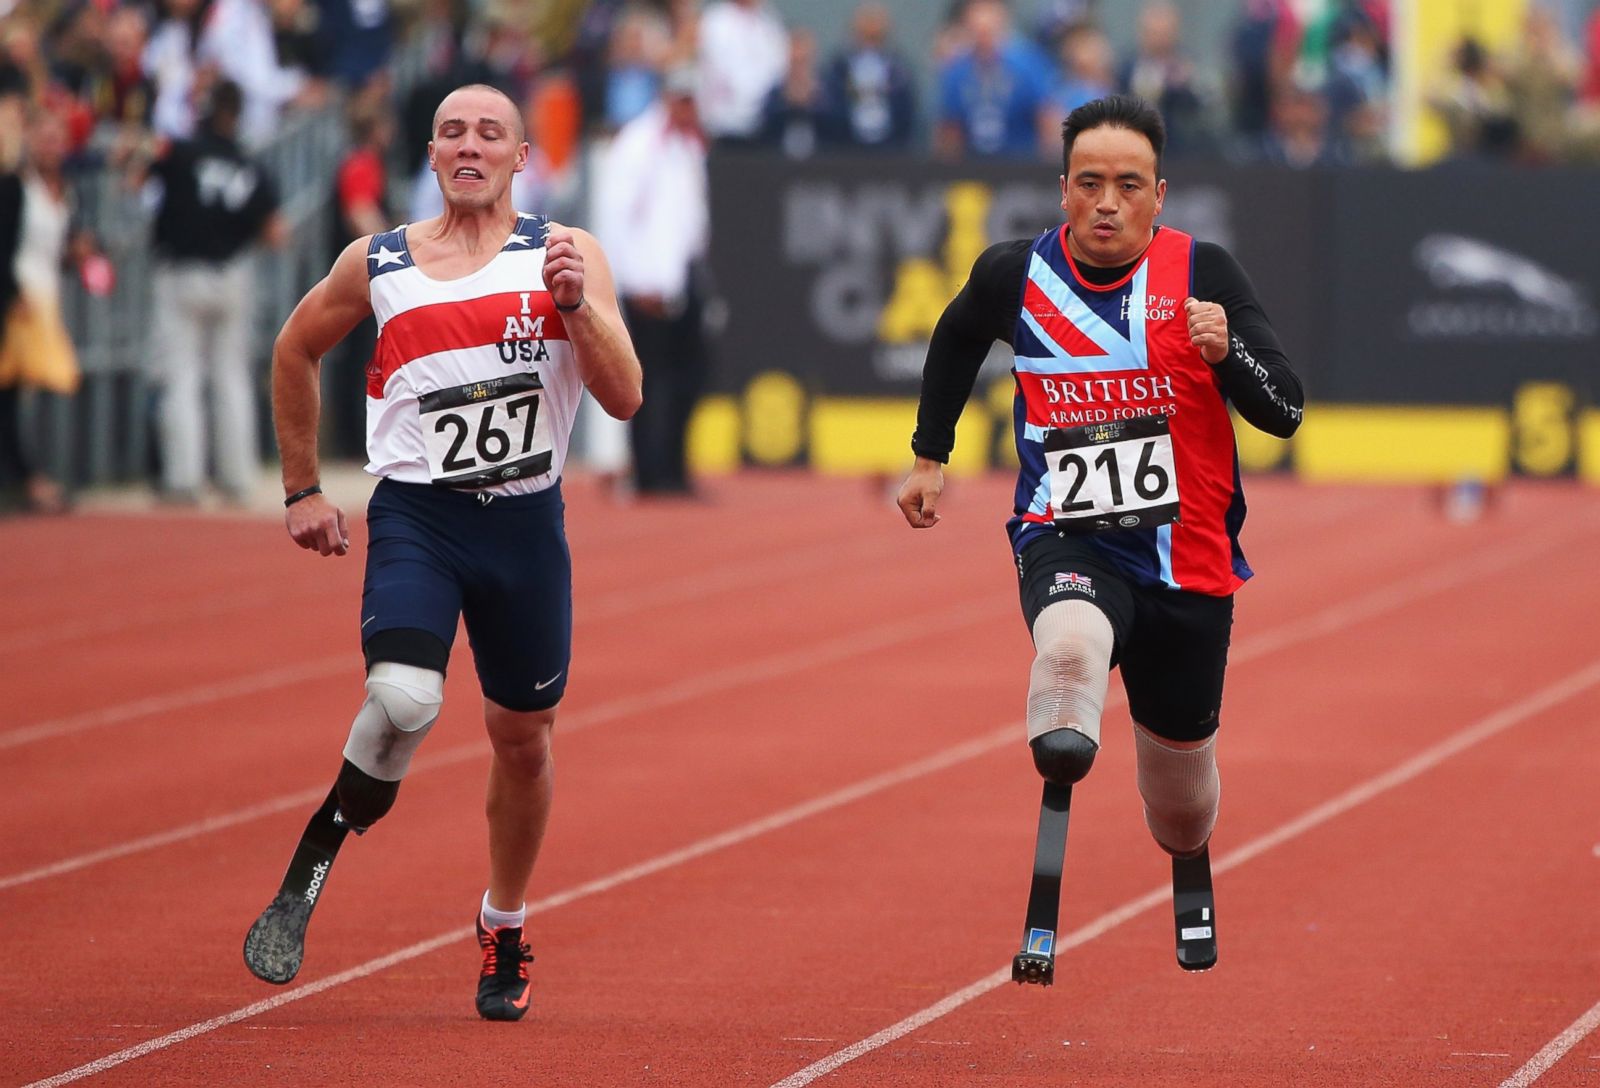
276,944
1194,912
1037,961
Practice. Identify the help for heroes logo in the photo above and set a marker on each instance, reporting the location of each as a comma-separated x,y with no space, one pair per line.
1153,307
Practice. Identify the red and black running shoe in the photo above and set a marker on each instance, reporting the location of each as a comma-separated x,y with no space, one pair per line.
503,988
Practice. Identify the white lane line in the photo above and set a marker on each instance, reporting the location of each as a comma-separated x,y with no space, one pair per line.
1545,698
1554,1050
686,588
950,757
829,652
1385,598
605,607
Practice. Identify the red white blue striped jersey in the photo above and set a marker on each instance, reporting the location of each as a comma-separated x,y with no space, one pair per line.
473,383
1090,358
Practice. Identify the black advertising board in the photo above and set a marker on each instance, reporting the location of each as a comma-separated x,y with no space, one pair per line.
1461,285
835,269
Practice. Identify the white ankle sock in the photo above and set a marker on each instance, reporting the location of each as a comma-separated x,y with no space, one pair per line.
498,919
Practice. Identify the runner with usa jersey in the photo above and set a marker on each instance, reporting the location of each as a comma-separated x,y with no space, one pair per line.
1131,341
491,323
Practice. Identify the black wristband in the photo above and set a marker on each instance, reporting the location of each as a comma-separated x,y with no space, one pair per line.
314,489
569,309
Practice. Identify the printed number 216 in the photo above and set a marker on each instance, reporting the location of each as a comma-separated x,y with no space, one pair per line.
1149,480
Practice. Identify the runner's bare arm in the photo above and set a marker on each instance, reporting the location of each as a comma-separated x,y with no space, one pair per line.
328,311
577,274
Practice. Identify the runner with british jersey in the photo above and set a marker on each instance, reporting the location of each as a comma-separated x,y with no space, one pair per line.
1131,341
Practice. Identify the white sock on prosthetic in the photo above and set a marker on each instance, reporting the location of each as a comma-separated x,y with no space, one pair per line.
1181,791
1067,688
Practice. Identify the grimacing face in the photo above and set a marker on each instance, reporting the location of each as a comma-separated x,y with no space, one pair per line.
476,147
1111,196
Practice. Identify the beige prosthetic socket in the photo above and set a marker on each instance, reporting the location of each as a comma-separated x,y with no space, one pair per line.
1181,791
1067,687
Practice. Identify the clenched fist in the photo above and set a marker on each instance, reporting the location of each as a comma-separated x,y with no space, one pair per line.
563,267
1208,329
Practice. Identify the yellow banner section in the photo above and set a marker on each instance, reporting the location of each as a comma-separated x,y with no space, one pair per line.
1543,434
1402,445
1426,34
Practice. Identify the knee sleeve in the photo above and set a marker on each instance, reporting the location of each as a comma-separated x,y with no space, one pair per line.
1067,688
401,705
1181,791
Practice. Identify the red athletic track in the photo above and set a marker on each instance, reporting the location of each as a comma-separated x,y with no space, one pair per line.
744,661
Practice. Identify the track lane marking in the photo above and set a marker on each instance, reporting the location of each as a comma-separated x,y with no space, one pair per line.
607,606
1386,598
950,757
1553,1051
1529,706
829,652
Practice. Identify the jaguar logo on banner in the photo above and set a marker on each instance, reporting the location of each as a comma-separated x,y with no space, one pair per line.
1488,290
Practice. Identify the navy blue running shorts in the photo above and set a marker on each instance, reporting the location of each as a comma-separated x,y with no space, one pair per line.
1171,645
437,555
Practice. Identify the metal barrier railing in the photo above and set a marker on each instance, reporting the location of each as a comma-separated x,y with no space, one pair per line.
103,435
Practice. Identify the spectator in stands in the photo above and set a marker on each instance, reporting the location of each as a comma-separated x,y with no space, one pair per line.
638,49
216,203
1475,105
1591,78
1164,77
1088,68
994,95
200,41
652,216
359,35
1300,137
1542,78
16,466
361,207
1264,41
1358,90
743,52
171,62
116,88
300,42
37,352
871,86
797,117
23,68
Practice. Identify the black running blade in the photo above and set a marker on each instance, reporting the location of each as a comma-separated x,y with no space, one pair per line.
276,943
1036,962
1194,912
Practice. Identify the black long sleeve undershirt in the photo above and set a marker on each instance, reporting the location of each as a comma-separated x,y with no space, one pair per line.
1255,375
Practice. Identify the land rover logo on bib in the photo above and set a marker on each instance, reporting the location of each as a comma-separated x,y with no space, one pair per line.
1128,521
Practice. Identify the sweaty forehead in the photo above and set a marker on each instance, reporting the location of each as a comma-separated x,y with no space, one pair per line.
1113,151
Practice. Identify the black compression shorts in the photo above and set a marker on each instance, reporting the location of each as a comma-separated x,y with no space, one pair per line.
1171,645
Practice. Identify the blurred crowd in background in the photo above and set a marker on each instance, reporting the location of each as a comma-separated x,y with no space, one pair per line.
117,85
1304,82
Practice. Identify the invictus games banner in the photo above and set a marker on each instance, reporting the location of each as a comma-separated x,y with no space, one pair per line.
1463,300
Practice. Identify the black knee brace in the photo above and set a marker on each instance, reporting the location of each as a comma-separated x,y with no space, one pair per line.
1063,756
363,800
